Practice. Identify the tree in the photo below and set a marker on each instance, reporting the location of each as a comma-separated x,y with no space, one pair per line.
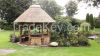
51,7
11,9
71,8
60,34
87,18
2,24
97,22
92,23
95,2
90,19
75,22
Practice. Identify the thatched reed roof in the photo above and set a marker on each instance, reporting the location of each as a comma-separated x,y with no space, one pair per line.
35,14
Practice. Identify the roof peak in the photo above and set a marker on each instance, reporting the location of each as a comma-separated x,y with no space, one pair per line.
35,6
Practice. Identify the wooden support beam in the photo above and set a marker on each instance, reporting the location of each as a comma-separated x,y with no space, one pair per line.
42,39
20,32
19,29
14,28
29,34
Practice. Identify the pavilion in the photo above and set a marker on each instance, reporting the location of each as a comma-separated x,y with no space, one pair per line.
27,24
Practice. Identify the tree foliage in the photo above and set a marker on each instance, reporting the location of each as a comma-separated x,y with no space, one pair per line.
92,23
90,19
11,9
71,8
87,18
97,22
2,23
51,7
95,2
67,35
75,22
60,34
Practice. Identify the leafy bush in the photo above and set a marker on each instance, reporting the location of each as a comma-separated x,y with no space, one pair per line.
60,33
72,39
14,38
67,35
7,27
2,24
78,38
83,39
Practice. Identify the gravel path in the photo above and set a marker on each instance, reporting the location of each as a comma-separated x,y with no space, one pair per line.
6,51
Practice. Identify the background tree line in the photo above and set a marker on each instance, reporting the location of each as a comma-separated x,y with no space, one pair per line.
11,9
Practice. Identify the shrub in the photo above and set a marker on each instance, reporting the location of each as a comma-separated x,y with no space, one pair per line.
83,39
2,23
14,38
69,36
73,39
61,32
7,27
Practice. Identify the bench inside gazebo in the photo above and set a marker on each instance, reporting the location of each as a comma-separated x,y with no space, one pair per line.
34,26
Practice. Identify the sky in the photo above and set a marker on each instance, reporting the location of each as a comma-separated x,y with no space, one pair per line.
83,9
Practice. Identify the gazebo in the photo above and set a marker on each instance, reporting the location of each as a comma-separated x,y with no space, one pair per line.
34,26
85,26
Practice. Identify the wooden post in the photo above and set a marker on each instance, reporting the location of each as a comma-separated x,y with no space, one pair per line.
43,29
47,31
20,33
14,27
29,34
50,32
42,39
19,29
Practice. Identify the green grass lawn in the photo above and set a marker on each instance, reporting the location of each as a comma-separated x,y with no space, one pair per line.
93,50
97,29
